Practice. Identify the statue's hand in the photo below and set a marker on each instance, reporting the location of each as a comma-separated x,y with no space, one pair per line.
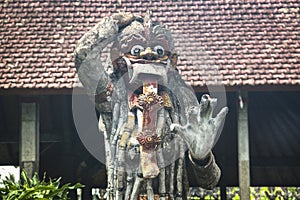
201,130
123,19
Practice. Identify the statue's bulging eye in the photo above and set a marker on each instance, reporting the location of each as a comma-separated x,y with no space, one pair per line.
159,50
136,50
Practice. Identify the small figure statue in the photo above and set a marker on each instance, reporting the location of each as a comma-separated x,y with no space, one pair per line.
158,136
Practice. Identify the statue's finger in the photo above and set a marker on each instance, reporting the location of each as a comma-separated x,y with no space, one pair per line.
220,118
183,131
212,105
207,106
123,19
204,102
193,115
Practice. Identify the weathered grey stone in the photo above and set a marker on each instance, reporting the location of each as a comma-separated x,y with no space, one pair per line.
29,138
185,123
243,147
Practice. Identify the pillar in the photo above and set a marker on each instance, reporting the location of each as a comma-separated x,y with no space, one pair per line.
29,138
243,147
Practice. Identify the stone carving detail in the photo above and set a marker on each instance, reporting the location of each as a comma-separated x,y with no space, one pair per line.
158,136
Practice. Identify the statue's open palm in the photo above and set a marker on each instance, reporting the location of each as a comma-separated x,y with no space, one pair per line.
201,130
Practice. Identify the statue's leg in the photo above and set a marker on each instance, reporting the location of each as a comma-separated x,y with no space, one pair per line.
136,188
120,174
129,185
104,124
171,180
179,177
162,177
150,193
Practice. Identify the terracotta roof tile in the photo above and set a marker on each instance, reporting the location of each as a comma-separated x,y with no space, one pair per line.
236,43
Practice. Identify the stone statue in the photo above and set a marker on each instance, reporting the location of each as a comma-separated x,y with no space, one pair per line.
158,136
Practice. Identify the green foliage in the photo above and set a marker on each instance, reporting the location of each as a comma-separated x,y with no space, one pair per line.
277,193
261,193
34,188
267,193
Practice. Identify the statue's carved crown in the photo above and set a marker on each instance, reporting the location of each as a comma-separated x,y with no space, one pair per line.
145,31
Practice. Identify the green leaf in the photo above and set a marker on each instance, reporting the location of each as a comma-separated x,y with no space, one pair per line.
25,179
35,179
76,186
34,188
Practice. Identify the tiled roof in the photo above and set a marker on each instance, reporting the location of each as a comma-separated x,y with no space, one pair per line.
252,42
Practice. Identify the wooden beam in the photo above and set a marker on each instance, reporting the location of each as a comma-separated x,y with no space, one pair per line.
243,147
29,138
216,88
252,88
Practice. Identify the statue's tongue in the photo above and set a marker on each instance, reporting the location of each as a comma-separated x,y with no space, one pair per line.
150,101
147,73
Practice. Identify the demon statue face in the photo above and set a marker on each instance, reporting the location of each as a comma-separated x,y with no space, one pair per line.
146,53
152,122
